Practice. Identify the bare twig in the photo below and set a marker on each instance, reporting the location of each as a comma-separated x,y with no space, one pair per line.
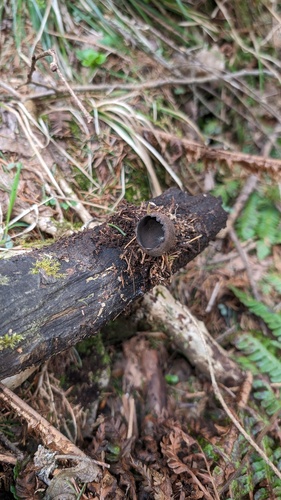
230,414
11,446
11,90
242,199
55,69
49,435
244,258
152,84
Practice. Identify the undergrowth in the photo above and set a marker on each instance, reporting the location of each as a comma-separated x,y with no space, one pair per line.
208,73
261,221
261,355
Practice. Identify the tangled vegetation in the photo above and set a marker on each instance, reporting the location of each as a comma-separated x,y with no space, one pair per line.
111,100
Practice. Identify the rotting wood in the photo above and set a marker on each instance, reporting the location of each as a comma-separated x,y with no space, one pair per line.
54,297
162,311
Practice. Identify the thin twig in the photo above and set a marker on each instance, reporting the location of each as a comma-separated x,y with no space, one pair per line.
49,435
11,90
242,199
151,84
244,258
232,417
11,446
55,69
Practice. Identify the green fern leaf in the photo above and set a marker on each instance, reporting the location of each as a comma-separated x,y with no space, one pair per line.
274,280
271,319
264,393
267,228
263,249
260,355
248,220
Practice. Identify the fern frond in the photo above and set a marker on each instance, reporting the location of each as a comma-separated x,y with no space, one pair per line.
248,220
271,319
269,400
274,280
260,219
269,221
260,355
227,191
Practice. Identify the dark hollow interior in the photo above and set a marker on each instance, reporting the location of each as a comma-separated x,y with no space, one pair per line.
150,232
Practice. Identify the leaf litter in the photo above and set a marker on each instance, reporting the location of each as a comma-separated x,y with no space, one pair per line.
161,440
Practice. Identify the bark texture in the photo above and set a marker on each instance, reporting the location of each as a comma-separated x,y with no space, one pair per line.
54,297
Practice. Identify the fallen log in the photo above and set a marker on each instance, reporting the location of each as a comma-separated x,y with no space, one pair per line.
56,296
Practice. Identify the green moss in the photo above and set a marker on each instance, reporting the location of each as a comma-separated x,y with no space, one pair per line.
94,345
10,340
63,228
37,243
94,348
49,265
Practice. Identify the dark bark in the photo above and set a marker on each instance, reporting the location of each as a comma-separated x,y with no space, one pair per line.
45,310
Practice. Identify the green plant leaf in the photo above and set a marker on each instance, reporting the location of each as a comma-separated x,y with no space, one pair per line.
263,249
248,220
271,319
13,196
269,220
260,355
274,280
90,58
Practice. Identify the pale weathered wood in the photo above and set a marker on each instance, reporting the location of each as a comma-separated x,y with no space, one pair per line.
162,311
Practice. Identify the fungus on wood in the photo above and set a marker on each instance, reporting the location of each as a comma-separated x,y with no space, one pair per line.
54,297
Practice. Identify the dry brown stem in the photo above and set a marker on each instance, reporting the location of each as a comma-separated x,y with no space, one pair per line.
55,69
50,436
196,151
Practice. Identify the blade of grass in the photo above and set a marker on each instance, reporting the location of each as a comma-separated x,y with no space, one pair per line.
120,129
13,196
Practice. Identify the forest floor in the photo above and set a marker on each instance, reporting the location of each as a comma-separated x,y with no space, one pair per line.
125,100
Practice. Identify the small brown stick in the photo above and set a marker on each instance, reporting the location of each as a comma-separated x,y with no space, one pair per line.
55,69
244,394
7,459
213,297
11,446
242,199
79,458
244,258
10,89
50,436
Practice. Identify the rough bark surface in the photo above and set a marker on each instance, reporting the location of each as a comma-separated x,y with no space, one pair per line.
54,297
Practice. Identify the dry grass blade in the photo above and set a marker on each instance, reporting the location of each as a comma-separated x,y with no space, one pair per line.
31,139
131,138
